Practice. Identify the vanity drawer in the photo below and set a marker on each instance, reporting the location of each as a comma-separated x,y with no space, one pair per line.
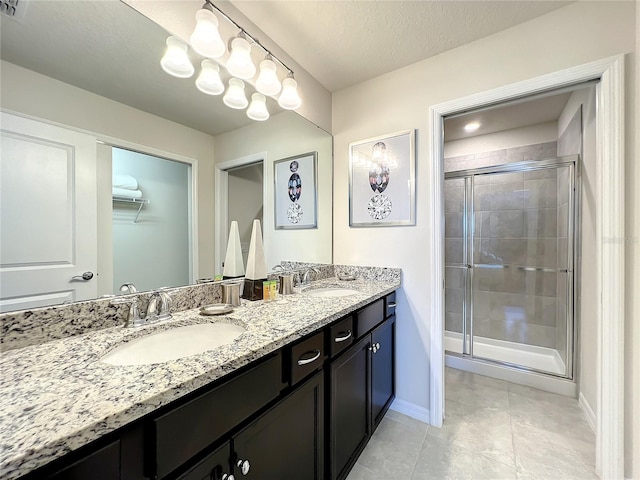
369,317
390,304
306,357
188,429
340,336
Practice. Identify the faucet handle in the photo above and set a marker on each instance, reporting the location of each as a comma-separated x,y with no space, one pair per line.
164,312
133,317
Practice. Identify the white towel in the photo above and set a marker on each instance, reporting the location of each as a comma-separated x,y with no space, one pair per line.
123,192
125,181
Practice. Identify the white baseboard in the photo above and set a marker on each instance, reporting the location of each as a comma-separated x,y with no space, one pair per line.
411,410
588,412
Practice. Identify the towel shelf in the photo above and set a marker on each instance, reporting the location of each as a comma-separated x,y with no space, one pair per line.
140,201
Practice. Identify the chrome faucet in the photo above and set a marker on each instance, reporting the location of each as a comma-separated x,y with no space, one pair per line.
305,275
133,317
158,307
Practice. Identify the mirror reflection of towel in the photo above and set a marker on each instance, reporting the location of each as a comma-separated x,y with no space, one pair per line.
125,181
123,192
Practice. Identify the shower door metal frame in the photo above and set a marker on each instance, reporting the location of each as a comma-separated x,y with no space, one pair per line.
573,252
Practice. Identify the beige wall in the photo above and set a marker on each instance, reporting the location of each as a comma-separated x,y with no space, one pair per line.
24,91
283,136
588,294
559,40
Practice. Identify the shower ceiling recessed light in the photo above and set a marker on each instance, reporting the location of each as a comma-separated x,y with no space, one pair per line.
471,127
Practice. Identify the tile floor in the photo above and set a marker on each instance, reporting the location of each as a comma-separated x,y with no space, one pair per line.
493,430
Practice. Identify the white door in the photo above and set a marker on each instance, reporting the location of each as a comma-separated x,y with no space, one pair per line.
47,214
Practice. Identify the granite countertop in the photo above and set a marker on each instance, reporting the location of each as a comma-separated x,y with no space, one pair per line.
57,396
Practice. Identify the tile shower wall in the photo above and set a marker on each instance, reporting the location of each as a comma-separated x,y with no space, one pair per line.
515,223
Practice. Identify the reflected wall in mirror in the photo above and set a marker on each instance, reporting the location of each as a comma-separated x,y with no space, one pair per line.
93,68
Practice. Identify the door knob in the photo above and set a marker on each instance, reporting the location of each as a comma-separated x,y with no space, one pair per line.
85,276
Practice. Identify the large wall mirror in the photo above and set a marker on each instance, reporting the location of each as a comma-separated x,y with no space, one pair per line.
81,83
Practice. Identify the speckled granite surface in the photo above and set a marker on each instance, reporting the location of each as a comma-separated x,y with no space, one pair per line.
57,396
40,325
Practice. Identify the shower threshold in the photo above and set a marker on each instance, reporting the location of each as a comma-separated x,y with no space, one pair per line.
530,356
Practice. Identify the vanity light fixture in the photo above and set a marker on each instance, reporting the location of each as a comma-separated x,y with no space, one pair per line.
209,81
471,127
268,82
258,108
235,96
289,98
207,42
176,60
239,63
205,38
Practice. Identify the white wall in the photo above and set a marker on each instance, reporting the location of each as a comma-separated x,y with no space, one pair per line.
154,251
558,40
588,294
283,136
516,137
30,93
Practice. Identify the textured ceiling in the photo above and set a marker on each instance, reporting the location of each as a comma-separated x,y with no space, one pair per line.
342,43
107,47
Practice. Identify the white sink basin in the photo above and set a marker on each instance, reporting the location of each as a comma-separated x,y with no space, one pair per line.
331,292
174,343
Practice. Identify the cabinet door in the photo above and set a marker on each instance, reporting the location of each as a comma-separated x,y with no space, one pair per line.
287,441
382,369
213,467
349,411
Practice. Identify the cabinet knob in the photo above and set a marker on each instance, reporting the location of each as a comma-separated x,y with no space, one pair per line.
226,476
244,466
373,348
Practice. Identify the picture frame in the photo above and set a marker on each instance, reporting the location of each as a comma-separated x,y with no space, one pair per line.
295,192
382,180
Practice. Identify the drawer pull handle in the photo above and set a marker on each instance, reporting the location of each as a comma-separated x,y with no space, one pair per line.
344,337
392,305
305,361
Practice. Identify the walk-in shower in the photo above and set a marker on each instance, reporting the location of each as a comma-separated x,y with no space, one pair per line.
510,247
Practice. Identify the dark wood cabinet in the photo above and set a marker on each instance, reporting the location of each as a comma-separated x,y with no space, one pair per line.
103,464
287,441
362,387
349,407
215,466
382,370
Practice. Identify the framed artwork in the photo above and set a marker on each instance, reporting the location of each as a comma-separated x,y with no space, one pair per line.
295,192
382,181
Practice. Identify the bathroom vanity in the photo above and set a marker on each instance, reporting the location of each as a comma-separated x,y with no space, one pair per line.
297,396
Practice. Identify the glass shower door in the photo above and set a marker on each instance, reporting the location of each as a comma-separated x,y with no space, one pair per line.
521,268
509,259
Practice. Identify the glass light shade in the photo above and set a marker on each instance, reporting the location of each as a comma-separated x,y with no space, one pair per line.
209,81
175,60
289,98
268,82
258,108
239,64
205,38
235,97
